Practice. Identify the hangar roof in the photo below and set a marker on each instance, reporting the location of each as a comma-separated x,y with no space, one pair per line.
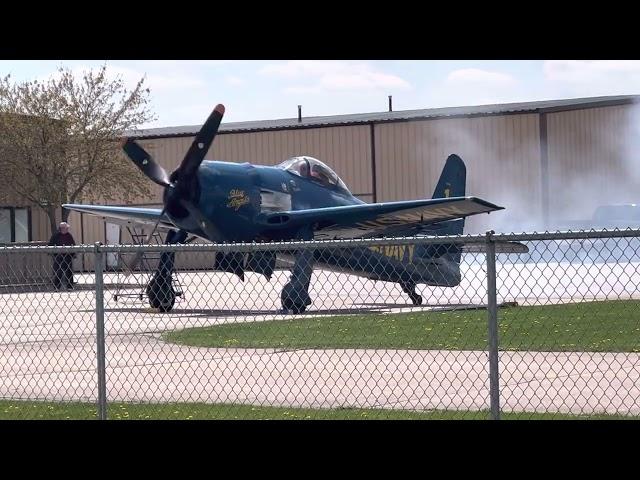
396,116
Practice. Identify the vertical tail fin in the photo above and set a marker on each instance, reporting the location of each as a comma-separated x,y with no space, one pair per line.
453,179
452,183
444,259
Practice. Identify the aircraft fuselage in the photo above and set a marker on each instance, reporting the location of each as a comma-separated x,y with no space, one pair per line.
232,197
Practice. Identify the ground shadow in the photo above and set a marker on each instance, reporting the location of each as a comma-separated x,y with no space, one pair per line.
374,308
203,313
48,288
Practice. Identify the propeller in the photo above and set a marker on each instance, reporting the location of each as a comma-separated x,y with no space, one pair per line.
145,162
181,185
200,145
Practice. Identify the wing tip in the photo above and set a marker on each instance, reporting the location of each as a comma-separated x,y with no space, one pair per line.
485,203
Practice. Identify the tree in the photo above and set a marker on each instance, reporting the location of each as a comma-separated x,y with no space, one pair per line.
59,139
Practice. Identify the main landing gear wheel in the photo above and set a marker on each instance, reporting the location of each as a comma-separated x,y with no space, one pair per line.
295,294
161,296
294,308
166,305
295,298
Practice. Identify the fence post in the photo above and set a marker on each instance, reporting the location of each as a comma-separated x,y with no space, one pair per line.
492,309
102,383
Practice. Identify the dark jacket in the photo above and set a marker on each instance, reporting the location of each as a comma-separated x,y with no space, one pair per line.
58,239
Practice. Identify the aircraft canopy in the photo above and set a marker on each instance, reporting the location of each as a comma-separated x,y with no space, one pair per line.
313,169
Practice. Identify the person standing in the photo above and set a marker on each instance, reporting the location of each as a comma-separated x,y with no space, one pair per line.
62,268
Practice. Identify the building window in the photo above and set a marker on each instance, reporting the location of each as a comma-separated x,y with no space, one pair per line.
14,225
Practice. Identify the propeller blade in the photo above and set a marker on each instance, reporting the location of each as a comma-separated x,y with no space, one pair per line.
201,144
145,162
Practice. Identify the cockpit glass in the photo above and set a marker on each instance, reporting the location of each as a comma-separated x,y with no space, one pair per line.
314,170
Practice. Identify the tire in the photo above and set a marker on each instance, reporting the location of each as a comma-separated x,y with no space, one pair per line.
167,307
164,306
295,308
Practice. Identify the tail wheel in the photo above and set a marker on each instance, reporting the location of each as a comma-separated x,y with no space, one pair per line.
416,299
411,291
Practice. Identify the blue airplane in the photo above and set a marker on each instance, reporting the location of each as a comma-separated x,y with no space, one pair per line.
299,199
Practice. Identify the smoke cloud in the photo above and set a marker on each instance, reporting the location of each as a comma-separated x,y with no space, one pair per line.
593,160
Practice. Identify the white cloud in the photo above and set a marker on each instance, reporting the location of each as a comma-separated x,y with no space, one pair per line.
302,90
173,81
593,77
588,70
187,63
359,80
130,77
478,76
235,81
299,68
333,75
474,86
155,81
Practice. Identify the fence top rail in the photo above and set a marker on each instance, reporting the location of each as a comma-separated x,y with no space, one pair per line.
8,248
324,244
566,235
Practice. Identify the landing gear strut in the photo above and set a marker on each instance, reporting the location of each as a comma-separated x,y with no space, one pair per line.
160,291
295,294
410,289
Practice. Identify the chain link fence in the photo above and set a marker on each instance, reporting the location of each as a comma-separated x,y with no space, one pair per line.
417,328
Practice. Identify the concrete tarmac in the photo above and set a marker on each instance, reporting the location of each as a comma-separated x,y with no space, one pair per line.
47,346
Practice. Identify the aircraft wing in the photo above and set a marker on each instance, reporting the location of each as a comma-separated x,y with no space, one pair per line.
373,219
124,215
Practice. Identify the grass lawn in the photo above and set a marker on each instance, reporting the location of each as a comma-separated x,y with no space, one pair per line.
611,326
23,410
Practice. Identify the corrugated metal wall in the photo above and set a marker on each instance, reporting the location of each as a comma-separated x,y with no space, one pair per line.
346,149
502,155
593,160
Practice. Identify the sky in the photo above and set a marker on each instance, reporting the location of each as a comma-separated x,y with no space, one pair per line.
183,92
